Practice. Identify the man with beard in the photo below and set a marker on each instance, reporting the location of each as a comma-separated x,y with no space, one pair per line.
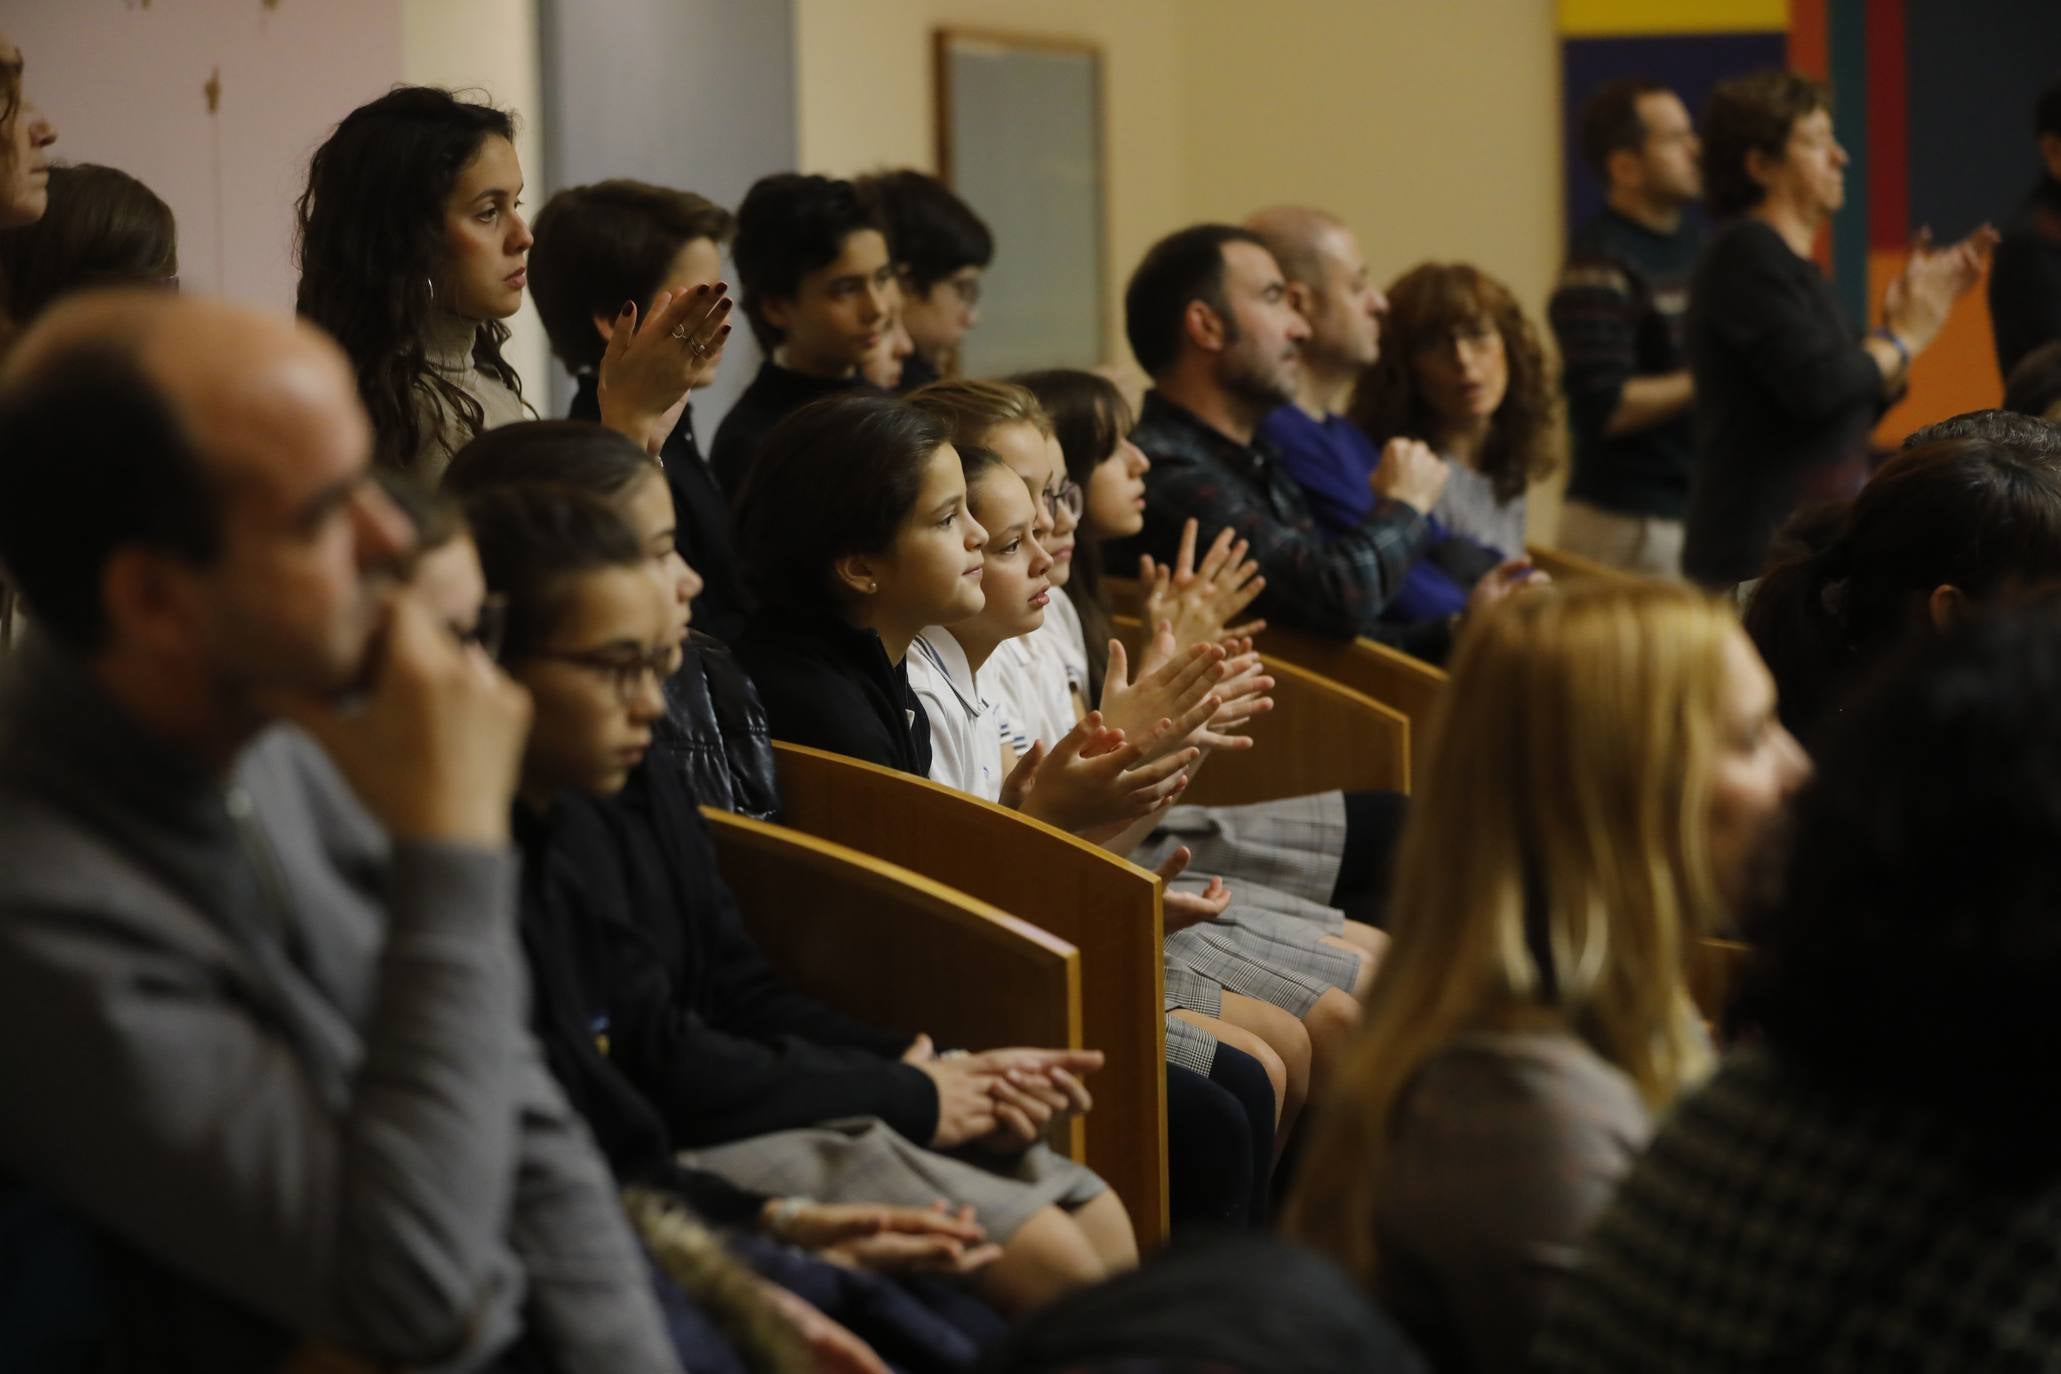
1209,318
261,999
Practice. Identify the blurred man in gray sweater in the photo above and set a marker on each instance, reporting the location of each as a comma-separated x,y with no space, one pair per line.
260,993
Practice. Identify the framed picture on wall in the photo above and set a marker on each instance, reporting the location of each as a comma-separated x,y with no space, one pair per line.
1020,139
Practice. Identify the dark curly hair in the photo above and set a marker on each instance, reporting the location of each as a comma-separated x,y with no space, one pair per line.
1914,953
1755,111
369,235
1427,304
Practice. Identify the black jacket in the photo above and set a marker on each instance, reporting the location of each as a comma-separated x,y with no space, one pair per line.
641,955
2025,279
701,515
830,686
714,732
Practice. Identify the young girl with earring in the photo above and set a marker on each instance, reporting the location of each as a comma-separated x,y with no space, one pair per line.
413,254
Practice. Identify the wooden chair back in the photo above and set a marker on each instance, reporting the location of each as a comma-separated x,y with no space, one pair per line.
1106,908
1320,736
1571,567
1390,676
842,926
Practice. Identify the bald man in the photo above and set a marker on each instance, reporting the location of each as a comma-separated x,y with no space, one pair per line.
260,1001
1321,450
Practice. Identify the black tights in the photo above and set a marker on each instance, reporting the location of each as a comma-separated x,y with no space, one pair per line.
1373,824
1220,1142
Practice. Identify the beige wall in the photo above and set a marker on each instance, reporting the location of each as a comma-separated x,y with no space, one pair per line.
863,70
1432,126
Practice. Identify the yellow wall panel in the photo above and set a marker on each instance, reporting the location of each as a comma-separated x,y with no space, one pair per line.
1631,18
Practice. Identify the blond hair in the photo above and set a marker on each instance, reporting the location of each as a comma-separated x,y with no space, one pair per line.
972,410
1569,761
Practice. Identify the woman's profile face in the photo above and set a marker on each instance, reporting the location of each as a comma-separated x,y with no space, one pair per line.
24,160
486,240
1757,768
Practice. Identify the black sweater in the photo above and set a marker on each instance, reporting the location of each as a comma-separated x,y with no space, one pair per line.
701,515
828,685
641,958
774,394
1785,397
2025,281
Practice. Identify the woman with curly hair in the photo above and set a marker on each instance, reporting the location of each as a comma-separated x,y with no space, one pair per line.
413,252
1461,368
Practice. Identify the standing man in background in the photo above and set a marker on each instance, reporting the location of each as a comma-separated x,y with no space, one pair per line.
1618,313
2025,282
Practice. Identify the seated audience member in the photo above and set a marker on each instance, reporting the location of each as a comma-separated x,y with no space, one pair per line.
2028,435
819,291
623,910
940,248
412,250
1943,528
855,538
885,365
26,134
1871,1182
1208,318
2025,283
1617,312
613,244
1328,455
1607,759
714,729
2034,386
1785,398
1462,369
1253,1306
103,228
266,996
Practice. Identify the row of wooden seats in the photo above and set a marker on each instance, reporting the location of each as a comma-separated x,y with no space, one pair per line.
878,864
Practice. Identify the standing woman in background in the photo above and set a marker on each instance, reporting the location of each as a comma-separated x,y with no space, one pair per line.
413,253
1462,369
1785,394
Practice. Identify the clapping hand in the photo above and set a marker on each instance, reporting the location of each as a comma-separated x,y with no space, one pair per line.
1180,910
1094,780
646,373
1200,602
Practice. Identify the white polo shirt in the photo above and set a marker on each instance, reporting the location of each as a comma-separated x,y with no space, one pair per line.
965,737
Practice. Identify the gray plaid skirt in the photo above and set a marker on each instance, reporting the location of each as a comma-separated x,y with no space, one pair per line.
863,1160
1190,1047
1292,845
1216,952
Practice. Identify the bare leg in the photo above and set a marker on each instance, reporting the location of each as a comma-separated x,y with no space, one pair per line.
1330,1024
1107,1226
1367,939
1048,1257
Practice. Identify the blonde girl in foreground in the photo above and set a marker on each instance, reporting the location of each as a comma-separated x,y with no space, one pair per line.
1606,761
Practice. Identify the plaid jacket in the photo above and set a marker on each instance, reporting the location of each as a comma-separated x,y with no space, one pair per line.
1327,584
1773,1227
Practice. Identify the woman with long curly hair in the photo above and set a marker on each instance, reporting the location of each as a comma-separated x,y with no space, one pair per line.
413,253
1462,369
1606,763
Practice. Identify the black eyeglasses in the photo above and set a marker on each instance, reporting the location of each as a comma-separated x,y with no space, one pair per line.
1069,498
627,673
